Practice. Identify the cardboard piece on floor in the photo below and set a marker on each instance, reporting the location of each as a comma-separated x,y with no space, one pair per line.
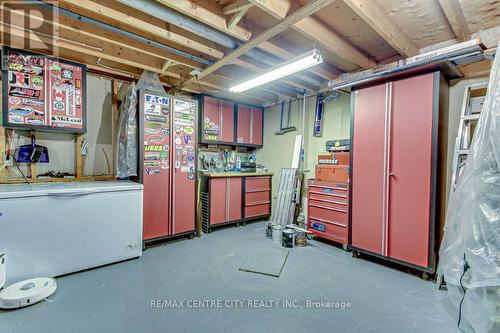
265,260
296,152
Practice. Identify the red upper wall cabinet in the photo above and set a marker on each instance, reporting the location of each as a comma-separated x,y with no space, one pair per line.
249,125
217,120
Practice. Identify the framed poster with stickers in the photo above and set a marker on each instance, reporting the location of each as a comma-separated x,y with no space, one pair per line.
42,93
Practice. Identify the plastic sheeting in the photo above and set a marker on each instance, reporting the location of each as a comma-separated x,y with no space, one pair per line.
126,152
470,251
150,81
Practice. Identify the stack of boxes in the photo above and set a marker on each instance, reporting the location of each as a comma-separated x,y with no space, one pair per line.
328,194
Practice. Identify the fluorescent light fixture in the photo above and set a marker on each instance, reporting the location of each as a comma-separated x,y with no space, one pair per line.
294,65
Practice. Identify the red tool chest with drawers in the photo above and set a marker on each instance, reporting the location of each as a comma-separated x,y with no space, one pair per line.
328,210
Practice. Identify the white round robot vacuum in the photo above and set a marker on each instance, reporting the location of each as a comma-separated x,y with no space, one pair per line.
24,293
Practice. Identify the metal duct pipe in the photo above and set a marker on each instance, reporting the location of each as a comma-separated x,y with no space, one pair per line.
124,33
167,14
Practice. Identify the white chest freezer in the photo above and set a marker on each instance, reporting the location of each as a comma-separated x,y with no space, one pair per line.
51,229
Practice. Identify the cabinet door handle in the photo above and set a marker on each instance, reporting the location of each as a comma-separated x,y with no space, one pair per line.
386,173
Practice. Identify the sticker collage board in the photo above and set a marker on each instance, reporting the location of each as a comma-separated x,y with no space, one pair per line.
156,134
185,136
43,93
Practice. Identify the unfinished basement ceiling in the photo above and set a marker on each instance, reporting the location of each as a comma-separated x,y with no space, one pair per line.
169,47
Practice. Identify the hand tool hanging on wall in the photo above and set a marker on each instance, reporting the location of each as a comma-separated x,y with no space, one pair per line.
318,116
288,128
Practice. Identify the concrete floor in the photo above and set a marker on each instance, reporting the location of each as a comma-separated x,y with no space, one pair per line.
117,298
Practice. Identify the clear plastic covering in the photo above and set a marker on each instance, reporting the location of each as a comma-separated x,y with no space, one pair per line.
150,81
126,152
470,251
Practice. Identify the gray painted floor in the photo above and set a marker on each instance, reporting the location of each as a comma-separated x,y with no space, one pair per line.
117,298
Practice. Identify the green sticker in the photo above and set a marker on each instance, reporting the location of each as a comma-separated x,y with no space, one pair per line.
188,130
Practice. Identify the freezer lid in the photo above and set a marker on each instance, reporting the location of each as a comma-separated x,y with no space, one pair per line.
8,191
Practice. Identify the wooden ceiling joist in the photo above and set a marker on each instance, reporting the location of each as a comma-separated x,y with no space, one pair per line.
236,7
371,12
237,17
210,13
98,37
456,18
124,18
290,20
318,32
127,59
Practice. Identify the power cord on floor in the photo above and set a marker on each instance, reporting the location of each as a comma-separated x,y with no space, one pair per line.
466,266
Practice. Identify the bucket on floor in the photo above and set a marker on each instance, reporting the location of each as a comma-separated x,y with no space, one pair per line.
277,234
288,238
269,230
300,238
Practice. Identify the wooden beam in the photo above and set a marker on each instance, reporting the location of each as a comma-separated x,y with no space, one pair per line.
320,33
79,157
371,12
213,17
75,30
236,7
456,18
209,13
277,8
237,17
129,59
297,16
136,23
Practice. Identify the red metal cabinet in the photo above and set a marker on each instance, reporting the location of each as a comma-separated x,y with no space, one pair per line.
257,196
328,210
243,124
393,151
218,200
225,200
249,125
367,168
233,194
218,120
227,121
257,126
410,167
167,132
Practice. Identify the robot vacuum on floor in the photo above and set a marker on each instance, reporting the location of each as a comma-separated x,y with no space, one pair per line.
24,293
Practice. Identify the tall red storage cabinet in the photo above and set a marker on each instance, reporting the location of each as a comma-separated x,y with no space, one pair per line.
394,169
167,164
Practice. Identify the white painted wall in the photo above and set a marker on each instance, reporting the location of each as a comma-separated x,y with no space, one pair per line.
277,151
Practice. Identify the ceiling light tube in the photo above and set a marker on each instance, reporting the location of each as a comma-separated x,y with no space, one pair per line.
294,65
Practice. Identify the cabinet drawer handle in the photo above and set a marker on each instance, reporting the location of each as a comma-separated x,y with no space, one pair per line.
257,203
329,187
329,201
331,194
329,208
258,190
329,222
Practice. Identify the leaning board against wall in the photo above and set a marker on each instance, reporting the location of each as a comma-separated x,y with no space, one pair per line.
42,93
